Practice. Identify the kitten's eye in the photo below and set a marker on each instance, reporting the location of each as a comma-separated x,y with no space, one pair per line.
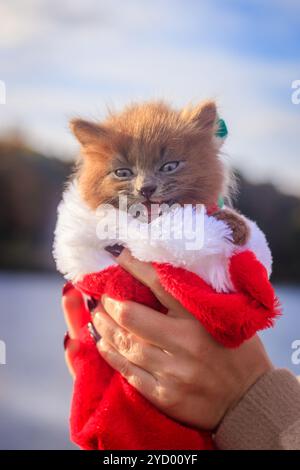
123,173
169,166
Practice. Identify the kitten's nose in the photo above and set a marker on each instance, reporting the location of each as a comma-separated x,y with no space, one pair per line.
147,191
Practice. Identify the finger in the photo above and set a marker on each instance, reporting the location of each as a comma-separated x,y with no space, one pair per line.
146,273
144,382
148,357
74,310
154,327
72,347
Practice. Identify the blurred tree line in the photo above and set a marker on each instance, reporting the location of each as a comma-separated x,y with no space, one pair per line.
31,185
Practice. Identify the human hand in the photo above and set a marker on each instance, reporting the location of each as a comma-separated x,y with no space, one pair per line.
171,359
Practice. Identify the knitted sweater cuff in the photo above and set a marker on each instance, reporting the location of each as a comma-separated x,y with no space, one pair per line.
267,417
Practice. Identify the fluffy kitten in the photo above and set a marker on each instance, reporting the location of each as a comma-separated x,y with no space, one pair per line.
155,154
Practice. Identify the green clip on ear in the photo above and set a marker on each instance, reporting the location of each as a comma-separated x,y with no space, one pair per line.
222,131
220,202
221,134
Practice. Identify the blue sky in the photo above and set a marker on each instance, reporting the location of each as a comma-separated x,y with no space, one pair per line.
60,59
267,29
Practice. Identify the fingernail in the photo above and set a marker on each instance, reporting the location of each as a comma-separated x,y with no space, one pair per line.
68,285
115,250
66,340
109,303
93,332
92,303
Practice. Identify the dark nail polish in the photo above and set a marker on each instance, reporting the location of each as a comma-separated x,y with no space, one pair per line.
67,287
93,332
92,303
66,340
115,250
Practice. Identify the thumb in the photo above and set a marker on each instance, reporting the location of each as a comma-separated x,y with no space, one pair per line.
72,347
75,313
76,316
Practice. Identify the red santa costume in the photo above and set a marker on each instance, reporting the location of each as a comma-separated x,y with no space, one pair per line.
225,286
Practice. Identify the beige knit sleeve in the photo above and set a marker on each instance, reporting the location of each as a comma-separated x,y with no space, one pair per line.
267,417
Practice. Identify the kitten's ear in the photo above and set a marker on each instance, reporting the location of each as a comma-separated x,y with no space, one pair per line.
87,132
203,116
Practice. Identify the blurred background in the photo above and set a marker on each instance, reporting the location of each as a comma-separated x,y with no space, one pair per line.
60,59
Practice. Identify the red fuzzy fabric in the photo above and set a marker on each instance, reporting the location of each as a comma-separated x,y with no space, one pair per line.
107,412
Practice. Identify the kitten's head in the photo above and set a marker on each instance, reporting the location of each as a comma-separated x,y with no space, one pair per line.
151,153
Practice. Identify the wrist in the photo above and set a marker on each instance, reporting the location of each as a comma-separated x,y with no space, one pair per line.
250,367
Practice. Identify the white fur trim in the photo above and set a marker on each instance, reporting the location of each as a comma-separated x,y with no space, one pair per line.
78,250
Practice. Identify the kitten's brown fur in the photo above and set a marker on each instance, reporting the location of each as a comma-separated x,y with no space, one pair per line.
142,138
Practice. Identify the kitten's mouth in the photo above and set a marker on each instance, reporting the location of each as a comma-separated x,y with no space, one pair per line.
168,202
154,209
